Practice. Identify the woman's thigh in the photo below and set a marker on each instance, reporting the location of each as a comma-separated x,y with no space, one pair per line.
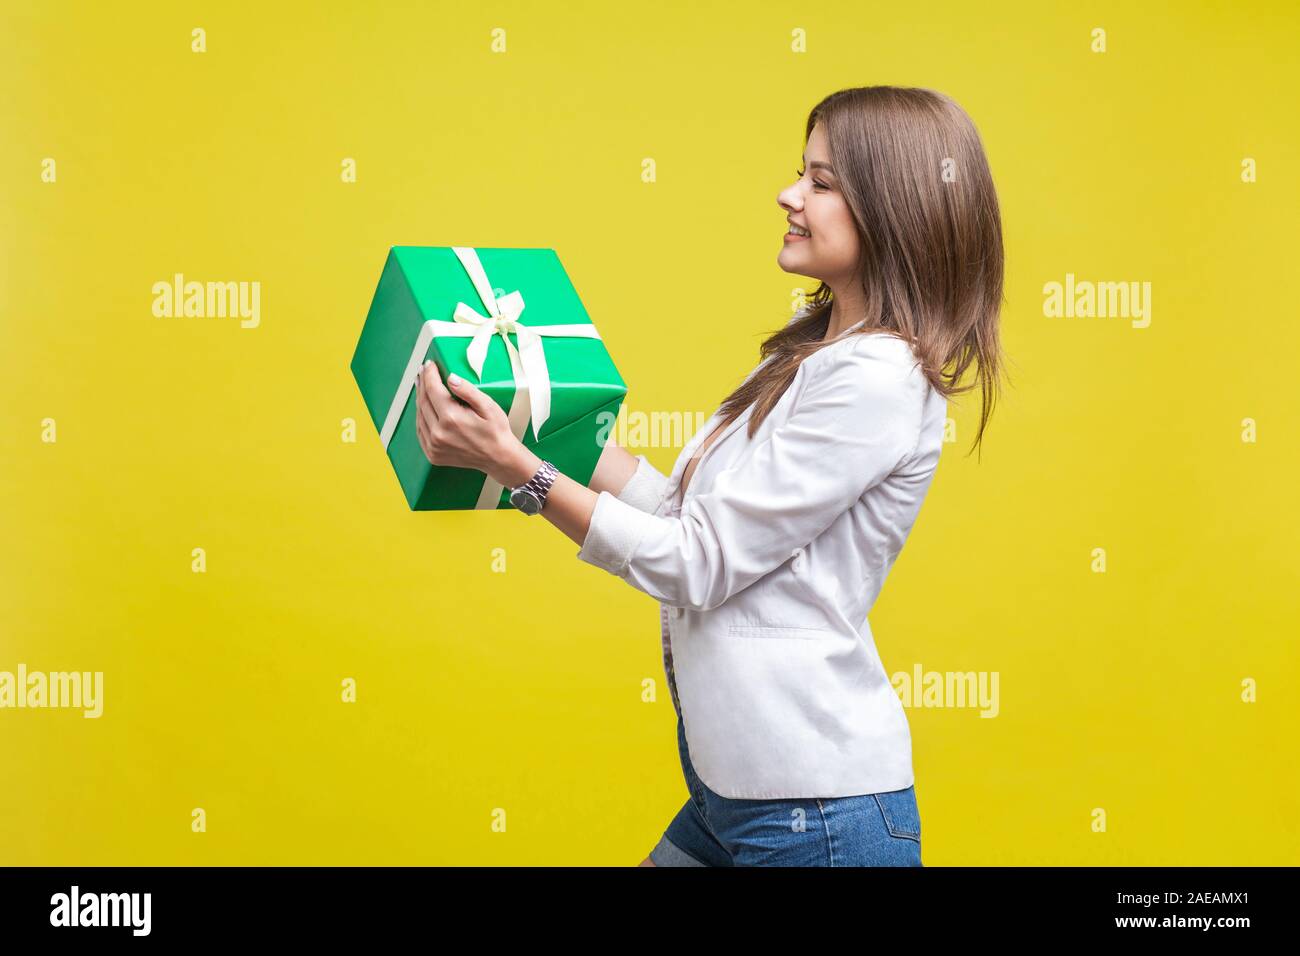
688,841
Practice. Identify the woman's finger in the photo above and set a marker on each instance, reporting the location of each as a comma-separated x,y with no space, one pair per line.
426,412
422,396
473,396
423,433
437,392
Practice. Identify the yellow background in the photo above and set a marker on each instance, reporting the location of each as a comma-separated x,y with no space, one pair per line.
523,690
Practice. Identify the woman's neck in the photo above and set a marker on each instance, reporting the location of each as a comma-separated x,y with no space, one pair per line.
844,316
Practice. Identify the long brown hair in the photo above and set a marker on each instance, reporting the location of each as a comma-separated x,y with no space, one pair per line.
914,174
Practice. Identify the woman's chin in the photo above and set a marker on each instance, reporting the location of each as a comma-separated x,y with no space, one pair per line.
787,265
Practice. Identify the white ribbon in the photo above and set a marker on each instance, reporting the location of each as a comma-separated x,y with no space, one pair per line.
527,363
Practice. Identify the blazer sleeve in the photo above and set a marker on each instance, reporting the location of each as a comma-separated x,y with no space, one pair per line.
645,489
856,422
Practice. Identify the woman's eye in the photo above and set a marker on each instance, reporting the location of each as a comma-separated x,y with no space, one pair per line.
816,184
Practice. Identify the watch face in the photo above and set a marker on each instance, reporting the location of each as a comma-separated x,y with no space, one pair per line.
525,501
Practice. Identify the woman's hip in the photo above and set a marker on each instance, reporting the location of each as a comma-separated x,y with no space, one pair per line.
874,829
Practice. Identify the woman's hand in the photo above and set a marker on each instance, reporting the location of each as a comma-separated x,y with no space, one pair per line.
474,435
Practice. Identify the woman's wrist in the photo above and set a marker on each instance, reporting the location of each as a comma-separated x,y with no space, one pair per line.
515,465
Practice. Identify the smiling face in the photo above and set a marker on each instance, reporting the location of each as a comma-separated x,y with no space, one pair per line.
815,203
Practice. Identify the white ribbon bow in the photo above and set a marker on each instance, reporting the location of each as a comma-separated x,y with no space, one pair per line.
527,363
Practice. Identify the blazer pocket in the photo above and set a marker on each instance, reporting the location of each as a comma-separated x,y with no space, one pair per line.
787,631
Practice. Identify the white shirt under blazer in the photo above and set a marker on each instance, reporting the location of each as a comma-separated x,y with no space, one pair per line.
769,565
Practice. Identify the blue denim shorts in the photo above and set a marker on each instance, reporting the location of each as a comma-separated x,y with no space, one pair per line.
873,829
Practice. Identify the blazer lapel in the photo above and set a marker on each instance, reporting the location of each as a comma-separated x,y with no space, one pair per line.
689,450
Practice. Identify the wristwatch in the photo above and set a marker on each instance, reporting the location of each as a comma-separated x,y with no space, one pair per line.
530,497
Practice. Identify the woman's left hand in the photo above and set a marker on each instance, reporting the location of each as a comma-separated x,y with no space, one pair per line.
474,435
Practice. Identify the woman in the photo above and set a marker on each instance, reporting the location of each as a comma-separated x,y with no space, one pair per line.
767,545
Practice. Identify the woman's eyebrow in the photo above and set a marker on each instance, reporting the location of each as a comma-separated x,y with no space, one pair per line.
819,165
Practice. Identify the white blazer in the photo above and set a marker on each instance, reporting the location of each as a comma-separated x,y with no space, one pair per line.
766,571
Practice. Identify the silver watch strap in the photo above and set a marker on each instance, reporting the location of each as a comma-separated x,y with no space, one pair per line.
541,482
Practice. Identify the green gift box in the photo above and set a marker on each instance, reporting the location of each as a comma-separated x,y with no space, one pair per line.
508,320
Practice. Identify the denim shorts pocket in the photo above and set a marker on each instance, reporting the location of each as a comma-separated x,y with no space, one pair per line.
902,818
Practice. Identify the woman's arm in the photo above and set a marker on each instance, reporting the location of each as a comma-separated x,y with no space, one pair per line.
470,430
569,506
615,467
855,423
630,478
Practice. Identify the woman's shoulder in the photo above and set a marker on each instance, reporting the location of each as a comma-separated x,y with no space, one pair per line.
873,368
868,348
883,343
